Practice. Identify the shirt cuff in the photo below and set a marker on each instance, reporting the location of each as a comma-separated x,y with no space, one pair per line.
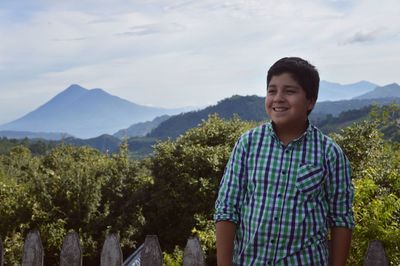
342,222
225,217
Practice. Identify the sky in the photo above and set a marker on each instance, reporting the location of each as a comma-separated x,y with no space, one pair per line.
181,53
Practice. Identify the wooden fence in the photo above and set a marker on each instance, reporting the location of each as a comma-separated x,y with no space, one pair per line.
150,255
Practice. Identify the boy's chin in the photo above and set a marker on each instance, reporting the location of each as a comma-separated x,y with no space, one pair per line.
288,124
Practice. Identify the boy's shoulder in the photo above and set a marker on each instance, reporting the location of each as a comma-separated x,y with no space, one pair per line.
262,130
329,144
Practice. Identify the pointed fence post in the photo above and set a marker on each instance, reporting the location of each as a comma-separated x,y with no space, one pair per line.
111,254
71,252
151,254
33,250
1,252
376,255
193,255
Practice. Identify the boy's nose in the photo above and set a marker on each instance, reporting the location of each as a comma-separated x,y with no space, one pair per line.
279,96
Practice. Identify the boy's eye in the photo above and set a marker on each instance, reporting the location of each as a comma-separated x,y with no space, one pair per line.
290,91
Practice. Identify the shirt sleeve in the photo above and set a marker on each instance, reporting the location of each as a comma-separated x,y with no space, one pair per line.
232,187
340,191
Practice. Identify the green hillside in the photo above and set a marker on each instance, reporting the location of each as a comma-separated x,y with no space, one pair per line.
104,143
140,129
251,108
246,107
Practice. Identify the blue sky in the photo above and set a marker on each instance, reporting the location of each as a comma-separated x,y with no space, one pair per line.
186,53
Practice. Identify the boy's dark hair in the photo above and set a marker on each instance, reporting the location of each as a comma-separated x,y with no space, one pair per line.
302,71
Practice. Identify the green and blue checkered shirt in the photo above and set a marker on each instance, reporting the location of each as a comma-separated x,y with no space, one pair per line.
283,199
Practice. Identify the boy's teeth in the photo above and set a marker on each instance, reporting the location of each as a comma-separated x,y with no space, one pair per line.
280,109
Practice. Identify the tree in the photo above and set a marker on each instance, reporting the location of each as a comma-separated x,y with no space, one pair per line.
187,173
71,188
376,178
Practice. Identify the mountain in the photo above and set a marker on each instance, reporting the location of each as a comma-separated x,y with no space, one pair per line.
246,107
252,108
140,129
104,143
388,91
329,91
335,108
85,113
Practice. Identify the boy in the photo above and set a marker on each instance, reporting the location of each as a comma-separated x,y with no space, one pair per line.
286,183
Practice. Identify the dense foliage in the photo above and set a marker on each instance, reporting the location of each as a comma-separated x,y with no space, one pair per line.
70,188
36,146
187,174
172,193
376,177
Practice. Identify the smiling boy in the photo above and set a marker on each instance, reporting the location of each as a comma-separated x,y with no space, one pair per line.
286,183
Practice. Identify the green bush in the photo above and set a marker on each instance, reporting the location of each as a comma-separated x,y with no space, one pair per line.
376,177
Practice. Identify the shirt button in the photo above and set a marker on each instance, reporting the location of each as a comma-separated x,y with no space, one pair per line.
276,218
273,241
279,195
283,172
287,151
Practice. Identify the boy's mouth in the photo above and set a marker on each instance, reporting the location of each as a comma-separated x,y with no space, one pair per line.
280,109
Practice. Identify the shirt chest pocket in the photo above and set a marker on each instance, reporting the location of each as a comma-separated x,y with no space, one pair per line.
309,178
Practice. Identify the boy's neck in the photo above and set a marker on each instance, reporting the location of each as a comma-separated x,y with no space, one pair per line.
286,134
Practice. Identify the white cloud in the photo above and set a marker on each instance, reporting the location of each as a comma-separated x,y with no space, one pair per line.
176,53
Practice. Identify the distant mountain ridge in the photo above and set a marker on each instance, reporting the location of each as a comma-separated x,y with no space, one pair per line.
335,108
140,129
252,108
104,143
85,113
90,113
388,91
330,91
246,107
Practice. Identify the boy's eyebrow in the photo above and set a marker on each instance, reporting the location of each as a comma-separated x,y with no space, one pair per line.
291,87
285,86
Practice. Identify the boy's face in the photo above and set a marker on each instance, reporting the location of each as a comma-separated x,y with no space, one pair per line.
286,102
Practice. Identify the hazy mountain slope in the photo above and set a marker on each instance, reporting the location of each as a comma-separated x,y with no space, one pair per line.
85,113
104,143
335,108
388,91
246,107
140,129
330,91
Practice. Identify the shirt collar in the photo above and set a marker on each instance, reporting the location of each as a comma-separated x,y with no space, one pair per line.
270,129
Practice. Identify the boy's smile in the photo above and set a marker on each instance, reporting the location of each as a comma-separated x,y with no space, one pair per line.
286,103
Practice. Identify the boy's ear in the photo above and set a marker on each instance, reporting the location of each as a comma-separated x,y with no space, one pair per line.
311,104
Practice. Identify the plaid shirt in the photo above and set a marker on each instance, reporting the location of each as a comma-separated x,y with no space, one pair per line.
283,199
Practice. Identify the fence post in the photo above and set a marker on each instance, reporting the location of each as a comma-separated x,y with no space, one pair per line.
111,254
193,255
151,254
375,255
71,252
33,250
1,252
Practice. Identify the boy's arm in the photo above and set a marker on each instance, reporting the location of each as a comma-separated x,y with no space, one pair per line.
340,245
225,236
340,216
230,196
